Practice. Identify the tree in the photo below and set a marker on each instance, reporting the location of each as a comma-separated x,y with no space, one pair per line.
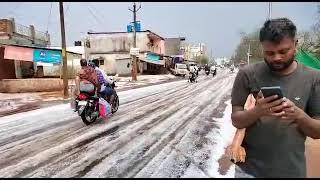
310,40
305,41
233,59
242,48
202,59
316,34
213,62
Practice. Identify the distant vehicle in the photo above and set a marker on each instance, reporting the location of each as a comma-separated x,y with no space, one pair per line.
195,65
232,68
207,69
192,77
180,69
242,64
213,70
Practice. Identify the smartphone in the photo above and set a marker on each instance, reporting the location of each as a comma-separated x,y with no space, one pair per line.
272,90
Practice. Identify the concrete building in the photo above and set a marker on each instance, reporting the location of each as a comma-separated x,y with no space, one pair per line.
173,46
73,49
17,34
221,60
113,48
18,62
74,54
191,52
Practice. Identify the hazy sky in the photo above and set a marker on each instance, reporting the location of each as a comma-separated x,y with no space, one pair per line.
217,24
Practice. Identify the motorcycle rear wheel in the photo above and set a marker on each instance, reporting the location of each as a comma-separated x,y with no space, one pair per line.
87,117
115,104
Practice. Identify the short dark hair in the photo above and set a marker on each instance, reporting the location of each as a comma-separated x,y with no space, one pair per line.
96,62
83,62
275,30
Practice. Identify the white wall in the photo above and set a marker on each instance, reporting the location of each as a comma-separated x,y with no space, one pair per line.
118,42
122,66
73,63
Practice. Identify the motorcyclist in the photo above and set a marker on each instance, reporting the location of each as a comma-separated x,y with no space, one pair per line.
196,69
213,69
193,72
86,78
206,67
86,74
232,68
106,90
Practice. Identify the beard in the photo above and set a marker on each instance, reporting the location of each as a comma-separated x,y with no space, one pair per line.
280,66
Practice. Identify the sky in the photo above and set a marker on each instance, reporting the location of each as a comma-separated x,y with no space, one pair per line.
216,24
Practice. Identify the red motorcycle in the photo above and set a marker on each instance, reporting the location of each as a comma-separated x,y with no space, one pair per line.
87,103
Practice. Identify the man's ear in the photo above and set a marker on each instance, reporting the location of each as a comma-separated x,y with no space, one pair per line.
296,43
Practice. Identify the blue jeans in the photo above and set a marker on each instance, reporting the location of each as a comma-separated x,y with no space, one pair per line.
108,91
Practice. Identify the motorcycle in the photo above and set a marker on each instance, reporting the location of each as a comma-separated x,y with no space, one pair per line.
192,77
87,103
214,72
207,72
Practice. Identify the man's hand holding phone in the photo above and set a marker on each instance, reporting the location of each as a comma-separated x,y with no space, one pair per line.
269,106
292,112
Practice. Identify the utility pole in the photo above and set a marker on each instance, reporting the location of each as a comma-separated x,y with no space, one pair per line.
270,10
249,50
63,50
248,54
134,58
211,59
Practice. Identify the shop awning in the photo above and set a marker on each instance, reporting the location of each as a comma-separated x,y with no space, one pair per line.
18,53
158,62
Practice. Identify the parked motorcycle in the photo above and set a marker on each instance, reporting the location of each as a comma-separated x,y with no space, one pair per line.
87,103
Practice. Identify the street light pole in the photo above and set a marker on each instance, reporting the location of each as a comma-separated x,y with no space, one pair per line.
270,10
249,50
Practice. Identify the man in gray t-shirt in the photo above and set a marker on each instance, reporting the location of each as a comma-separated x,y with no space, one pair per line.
276,129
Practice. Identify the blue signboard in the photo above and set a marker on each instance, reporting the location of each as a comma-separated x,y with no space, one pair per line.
137,25
153,57
129,28
47,56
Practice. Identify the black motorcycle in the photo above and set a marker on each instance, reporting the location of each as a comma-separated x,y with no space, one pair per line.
87,104
192,77
214,72
207,72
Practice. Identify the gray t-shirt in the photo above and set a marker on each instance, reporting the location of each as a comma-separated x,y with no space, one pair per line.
275,147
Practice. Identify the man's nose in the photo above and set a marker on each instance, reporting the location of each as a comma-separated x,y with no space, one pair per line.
277,57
